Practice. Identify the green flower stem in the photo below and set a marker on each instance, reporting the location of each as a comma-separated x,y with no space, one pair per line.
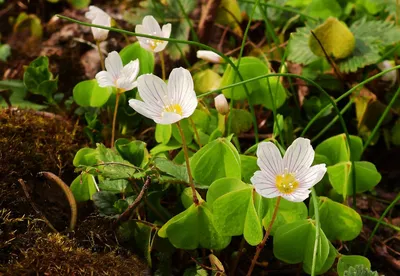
380,221
394,227
331,123
317,230
114,118
264,241
196,133
162,61
372,135
186,153
101,55
194,43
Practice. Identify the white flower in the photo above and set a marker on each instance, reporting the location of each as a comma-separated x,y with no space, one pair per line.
221,104
209,56
290,177
150,26
166,104
117,75
98,17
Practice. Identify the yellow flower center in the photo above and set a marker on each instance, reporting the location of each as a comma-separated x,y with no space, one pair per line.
154,43
286,183
175,108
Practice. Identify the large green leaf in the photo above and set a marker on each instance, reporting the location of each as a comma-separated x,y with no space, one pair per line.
194,228
215,160
83,187
248,166
134,51
18,94
272,93
163,133
89,93
294,243
340,177
338,221
237,211
132,151
288,212
336,150
324,9
250,67
175,170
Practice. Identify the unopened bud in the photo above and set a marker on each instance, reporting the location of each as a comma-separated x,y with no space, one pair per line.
221,104
209,56
391,76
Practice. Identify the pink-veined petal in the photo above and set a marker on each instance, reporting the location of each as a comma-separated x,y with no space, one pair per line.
153,90
269,159
311,176
297,196
264,184
168,118
145,109
104,79
160,46
299,155
151,24
114,64
181,90
143,41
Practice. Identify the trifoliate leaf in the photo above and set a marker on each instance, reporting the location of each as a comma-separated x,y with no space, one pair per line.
335,38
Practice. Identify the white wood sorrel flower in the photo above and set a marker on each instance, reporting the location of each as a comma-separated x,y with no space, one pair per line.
98,17
166,104
117,75
290,177
150,26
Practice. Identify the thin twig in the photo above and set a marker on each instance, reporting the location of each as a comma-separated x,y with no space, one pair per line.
125,215
25,189
68,193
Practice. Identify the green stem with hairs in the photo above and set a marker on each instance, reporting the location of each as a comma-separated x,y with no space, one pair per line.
317,230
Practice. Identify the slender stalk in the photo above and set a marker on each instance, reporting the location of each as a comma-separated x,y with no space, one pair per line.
114,118
394,227
264,241
317,230
186,153
195,131
162,60
101,55
68,193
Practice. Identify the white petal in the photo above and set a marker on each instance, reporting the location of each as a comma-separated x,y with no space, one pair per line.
311,176
93,12
143,41
299,155
209,56
131,70
144,109
298,196
126,84
269,159
104,79
169,118
166,30
114,64
264,184
181,91
151,24
160,46
153,91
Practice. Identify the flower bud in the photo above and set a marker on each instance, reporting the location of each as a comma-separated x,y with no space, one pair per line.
221,104
391,76
98,17
209,56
